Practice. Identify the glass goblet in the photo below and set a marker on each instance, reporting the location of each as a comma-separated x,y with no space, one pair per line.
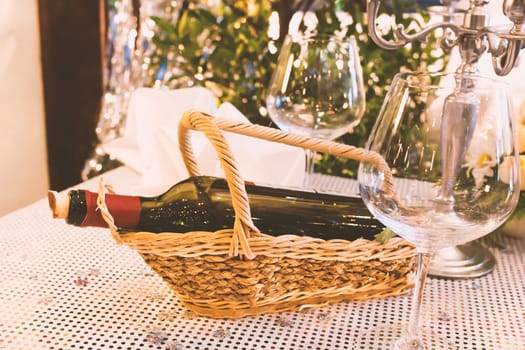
442,170
317,89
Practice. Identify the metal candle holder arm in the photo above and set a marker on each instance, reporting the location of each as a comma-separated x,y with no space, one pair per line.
472,37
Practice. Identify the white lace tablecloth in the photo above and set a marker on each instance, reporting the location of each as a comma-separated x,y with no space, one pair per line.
63,287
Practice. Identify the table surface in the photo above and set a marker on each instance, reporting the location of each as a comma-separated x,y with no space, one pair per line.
64,287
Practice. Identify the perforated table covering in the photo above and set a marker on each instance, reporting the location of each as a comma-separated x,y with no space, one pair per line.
63,287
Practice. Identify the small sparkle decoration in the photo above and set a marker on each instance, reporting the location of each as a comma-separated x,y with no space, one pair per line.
221,333
46,299
443,316
93,272
475,285
37,276
173,345
81,280
155,296
282,321
324,316
188,314
166,315
156,336
138,292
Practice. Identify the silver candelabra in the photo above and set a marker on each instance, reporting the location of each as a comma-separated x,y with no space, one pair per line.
474,37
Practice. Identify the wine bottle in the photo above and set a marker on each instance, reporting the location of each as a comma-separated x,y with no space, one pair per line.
203,203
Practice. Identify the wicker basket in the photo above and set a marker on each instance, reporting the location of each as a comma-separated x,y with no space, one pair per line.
239,271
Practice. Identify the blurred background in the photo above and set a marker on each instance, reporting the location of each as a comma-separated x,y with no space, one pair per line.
55,67
49,51
63,71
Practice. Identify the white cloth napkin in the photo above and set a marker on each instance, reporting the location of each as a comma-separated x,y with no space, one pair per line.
150,143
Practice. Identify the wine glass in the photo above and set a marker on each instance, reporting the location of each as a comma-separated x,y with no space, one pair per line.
317,89
442,170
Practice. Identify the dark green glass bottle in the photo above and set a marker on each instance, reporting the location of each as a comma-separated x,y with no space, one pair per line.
203,203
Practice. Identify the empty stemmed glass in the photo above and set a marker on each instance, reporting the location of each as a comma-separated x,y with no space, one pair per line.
317,88
448,174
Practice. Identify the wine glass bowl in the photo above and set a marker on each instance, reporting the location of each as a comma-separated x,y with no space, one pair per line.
317,87
449,145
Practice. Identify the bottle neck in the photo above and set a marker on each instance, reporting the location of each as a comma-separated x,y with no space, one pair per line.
83,210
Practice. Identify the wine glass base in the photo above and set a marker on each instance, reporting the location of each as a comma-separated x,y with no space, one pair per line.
386,337
469,260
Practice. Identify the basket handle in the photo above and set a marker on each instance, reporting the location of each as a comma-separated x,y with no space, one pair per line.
211,127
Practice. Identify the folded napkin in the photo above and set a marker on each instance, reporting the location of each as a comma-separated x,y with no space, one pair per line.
150,143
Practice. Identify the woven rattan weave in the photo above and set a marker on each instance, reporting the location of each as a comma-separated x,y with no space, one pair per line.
240,271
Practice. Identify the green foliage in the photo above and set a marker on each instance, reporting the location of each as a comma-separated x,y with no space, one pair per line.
227,50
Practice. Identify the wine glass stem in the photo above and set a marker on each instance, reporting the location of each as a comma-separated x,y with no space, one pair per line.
309,167
411,340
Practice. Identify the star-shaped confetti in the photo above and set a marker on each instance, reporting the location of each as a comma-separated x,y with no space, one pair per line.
156,337
155,297
284,322
173,345
46,299
93,272
475,285
165,315
81,282
323,316
443,316
221,333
